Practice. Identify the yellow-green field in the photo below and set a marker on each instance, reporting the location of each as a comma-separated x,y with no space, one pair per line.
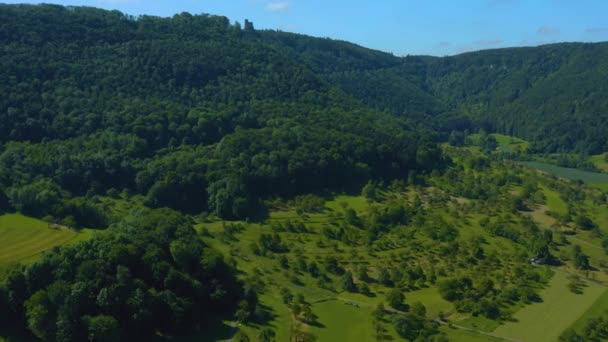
600,162
559,309
554,202
511,144
598,309
506,143
341,322
25,238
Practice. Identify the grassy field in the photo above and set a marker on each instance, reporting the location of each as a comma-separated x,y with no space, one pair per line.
341,322
599,161
24,238
559,309
506,143
554,202
596,310
595,179
511,144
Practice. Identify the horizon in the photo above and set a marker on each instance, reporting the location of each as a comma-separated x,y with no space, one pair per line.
438,29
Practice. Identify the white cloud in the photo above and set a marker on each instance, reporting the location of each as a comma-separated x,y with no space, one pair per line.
277,6
596,30
545,30
489,42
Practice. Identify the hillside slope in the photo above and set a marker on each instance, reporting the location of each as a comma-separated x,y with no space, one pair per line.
193,112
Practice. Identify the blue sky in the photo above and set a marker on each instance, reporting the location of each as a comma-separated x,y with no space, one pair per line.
436,27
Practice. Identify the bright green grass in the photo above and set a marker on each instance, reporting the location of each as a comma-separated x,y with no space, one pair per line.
341,322
359,203
560,308
24,238
511,144
431,299
600,185
281,319
599,161
479,322
600,217
554,202
598,309
595,179
506,143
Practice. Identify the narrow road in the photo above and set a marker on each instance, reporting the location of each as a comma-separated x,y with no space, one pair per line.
461,327
477,331
586,243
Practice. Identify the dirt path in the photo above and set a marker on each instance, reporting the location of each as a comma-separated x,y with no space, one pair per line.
586,243
438,321
476,331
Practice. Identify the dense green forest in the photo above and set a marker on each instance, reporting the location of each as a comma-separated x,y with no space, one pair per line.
193,112
148,275
156,131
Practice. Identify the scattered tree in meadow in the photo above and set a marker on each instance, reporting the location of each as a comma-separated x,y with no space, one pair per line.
267,335
348,283
581,260
370,191
395,298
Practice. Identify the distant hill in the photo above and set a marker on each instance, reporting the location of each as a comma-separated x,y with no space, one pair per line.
553,95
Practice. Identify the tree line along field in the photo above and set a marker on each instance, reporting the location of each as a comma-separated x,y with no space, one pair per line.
24,238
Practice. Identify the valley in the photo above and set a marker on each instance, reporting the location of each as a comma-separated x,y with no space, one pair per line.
189,178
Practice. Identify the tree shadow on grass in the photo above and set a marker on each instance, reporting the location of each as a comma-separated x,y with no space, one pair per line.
214,330
316,323
510,319
263,315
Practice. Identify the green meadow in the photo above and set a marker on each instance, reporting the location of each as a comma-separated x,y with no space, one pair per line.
506,143
24,238
599,160
559,309
511,144
599,308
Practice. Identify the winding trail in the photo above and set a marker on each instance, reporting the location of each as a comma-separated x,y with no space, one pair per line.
461,327
452,325
586,243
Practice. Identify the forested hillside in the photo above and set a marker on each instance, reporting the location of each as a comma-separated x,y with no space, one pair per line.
552,95
194,112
